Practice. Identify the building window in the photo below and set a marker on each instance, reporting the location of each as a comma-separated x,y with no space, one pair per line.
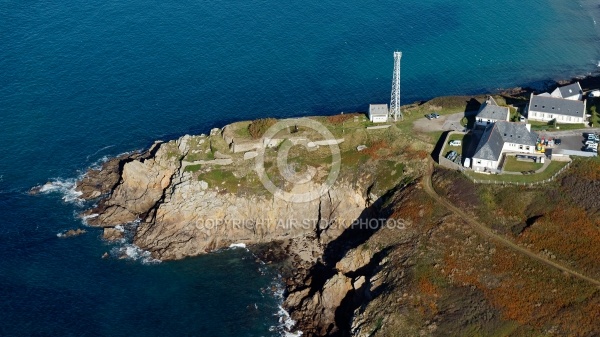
535,105
569,118
543,107
520,147
479,162
551,116
527,148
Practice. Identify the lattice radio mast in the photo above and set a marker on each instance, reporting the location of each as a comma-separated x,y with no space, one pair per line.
395,101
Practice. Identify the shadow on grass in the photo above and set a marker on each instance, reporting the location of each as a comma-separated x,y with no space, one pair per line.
439,146
472,105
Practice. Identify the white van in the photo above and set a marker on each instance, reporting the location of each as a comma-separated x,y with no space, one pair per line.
467,163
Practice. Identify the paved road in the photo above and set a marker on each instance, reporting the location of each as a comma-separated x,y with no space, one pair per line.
486,232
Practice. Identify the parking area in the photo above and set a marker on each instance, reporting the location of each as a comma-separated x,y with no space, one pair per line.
442,123
573,141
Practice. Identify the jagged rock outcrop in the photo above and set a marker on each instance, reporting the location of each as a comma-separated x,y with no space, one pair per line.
112,234
181,216
72,232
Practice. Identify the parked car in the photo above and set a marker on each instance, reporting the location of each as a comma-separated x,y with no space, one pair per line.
521,118
467,163
434,115
594,93
451,155
455,142
557,141
429,116
593,137
591,142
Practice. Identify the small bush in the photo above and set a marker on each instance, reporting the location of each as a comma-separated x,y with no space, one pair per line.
258,127
339,119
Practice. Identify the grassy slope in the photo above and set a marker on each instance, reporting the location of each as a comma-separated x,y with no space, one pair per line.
442,279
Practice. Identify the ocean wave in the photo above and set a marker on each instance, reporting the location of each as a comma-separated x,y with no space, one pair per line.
238,245
102,149
286,323
64,186
132,252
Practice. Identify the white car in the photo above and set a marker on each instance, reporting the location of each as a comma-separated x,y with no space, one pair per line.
594,93
591,143
455,142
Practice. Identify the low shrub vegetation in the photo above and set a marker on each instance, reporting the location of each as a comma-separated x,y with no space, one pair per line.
258,127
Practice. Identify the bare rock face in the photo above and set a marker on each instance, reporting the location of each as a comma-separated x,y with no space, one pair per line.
181,216
99,182
354,259
192,220
142,183
112,234
72,233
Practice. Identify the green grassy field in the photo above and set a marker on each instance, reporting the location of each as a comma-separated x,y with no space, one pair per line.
551,170
513,165
544,126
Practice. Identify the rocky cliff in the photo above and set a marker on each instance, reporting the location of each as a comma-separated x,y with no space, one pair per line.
181,216
185,198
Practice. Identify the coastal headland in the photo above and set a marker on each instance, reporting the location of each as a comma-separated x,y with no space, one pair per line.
364,247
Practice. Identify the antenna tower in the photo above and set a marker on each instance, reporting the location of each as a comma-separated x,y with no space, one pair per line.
395,101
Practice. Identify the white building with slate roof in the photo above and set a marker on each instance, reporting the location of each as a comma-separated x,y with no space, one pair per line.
378,113
491,112
500,138
565,104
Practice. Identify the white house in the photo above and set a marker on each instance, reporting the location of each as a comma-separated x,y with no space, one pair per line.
565,104
378,113
500,138
491,112
571,92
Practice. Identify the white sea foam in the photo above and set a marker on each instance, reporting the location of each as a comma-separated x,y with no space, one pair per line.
133,252
286,323
64,186
102,149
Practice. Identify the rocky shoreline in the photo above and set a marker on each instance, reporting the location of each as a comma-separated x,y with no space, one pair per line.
179,216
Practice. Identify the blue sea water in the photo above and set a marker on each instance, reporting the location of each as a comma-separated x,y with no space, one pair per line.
81,80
